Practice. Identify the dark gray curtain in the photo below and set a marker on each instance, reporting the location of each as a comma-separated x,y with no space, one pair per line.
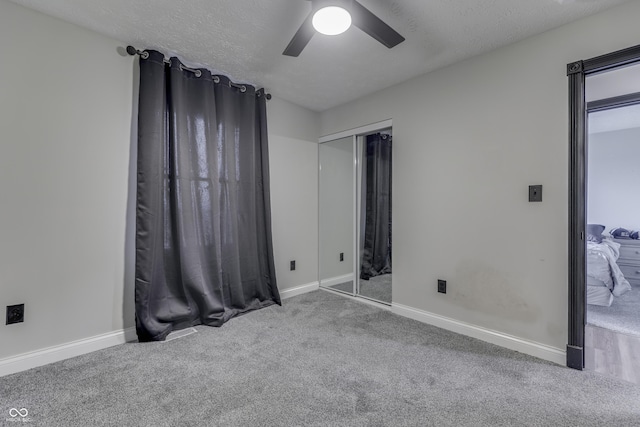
376,255
203,225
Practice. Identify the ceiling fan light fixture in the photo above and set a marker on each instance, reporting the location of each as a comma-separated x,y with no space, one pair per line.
331,20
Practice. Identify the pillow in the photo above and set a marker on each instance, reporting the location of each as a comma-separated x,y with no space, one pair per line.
594,232
620,233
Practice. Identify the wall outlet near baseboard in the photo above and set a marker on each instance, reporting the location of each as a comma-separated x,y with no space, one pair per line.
535,193
292,265
442,286
15,314
341,256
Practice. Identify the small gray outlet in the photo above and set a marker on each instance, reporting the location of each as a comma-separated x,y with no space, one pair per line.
292,265
442,286
535,193
341,256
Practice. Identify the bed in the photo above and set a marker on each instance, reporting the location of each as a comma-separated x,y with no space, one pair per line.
605,281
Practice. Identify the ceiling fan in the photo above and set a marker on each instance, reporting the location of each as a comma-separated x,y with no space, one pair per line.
336,16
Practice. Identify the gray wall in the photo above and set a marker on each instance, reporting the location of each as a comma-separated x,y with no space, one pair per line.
293,156
66,247
67,167
468,140
614,179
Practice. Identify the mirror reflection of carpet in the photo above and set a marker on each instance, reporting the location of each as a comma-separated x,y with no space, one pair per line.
378,288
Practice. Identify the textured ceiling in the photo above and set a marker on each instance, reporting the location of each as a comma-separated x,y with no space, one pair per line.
244,39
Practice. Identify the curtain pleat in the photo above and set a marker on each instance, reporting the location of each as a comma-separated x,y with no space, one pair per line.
203,227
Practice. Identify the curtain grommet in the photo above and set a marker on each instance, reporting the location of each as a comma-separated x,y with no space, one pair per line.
195,71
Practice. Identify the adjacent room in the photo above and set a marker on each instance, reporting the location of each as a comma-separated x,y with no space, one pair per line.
613,248
314,212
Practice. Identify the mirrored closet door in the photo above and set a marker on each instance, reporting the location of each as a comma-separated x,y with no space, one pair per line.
355,215
336,214
374,229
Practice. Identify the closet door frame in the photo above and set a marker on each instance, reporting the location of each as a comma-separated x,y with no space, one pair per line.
577,72
355,134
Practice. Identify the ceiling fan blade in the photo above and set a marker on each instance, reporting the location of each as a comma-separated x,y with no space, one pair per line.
369,23
301,37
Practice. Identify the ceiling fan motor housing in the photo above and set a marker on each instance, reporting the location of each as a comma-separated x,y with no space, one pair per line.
361,17
319,4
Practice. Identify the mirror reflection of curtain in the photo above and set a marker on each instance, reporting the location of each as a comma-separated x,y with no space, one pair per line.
203,227
376,254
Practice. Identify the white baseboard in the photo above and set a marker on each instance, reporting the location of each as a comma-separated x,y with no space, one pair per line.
337,280
532,348
299,290
22,362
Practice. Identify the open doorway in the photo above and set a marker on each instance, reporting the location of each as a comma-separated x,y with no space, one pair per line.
604,258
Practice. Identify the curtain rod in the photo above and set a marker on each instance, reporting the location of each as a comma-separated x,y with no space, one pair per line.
144,55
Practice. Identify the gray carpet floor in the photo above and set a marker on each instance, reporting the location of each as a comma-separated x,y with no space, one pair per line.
378,287
623,315
320,360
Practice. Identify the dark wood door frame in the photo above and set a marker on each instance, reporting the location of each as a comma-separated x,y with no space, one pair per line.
577,72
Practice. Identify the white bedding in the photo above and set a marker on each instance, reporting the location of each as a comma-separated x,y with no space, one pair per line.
603,272
598,295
